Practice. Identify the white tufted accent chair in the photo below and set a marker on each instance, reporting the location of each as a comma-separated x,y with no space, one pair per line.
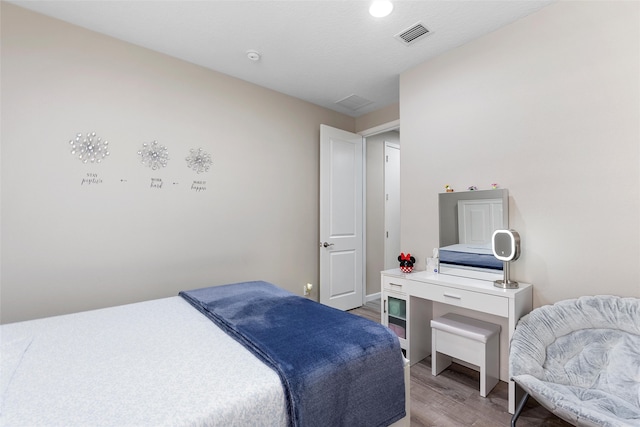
580,359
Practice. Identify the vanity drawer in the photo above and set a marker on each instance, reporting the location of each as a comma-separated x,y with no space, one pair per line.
492,304
394,284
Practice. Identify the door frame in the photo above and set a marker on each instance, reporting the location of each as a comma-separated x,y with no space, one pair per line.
385,127
387,146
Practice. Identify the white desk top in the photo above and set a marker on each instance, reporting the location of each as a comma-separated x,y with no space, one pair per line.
458,282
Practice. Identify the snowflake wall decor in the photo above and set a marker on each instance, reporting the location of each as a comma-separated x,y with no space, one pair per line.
154,155
199,160
89,148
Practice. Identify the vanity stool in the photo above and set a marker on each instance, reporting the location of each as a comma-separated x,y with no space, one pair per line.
470,340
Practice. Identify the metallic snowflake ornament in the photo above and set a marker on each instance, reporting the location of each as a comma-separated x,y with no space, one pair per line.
89,148
199,160
154,155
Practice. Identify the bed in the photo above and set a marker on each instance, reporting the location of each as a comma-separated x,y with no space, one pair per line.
163,362
470,255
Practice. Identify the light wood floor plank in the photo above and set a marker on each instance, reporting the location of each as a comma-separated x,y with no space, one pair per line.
452,399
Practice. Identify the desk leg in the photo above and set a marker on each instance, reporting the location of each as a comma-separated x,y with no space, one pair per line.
420,315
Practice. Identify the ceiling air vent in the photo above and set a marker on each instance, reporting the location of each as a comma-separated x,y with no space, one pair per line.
354,102
413,34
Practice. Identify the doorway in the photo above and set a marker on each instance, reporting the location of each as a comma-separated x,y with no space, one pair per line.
382,238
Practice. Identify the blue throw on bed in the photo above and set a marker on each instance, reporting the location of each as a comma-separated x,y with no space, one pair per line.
337,369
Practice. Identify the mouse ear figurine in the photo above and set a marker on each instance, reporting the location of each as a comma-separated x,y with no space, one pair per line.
406,262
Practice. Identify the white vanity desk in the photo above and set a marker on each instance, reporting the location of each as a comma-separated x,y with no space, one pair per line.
407,307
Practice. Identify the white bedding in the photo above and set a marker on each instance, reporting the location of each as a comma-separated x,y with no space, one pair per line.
469,248
153,363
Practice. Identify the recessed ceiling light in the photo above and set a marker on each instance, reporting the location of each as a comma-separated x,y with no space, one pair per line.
253,55
381,8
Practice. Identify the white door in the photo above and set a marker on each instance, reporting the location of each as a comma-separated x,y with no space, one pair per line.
478,219
341,218
391,205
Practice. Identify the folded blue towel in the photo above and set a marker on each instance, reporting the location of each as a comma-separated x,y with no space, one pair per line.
337,369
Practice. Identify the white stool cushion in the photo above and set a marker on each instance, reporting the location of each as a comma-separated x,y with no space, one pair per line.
467,327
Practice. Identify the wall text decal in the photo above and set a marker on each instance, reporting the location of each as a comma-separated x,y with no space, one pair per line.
198,186
91,178
156,183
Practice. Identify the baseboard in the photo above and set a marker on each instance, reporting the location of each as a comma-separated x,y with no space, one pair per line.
373,297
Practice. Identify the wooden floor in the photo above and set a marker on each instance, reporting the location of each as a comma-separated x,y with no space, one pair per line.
453,398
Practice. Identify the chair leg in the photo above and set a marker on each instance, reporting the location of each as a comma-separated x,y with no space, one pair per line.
519,409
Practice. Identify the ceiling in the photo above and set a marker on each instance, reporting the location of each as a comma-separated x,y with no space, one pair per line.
319,51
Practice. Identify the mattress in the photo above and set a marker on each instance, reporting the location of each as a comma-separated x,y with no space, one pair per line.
470,256
154,363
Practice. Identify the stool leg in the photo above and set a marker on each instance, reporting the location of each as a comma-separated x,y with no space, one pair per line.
491,364
439,361
483,374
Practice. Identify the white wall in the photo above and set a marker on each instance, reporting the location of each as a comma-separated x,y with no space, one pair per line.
383,116
69,247
548,107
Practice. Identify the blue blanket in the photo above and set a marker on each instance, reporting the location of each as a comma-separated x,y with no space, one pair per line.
337,369
470,259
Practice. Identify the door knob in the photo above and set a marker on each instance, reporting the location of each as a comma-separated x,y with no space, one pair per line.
326,245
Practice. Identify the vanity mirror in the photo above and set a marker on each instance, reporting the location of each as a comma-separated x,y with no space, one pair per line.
467,222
